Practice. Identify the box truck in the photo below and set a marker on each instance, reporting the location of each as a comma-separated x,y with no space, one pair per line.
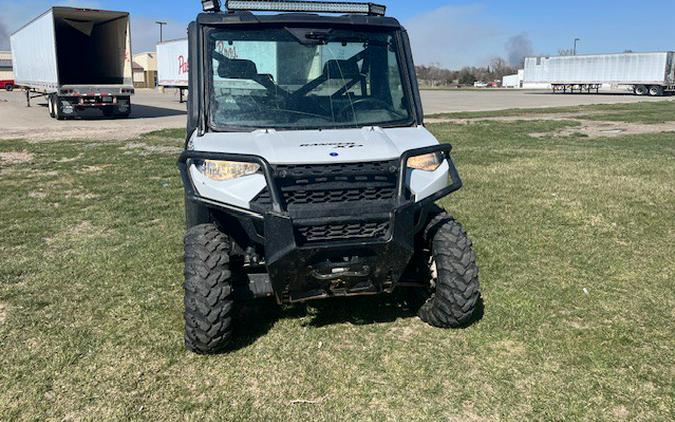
78,59
644,73
173,66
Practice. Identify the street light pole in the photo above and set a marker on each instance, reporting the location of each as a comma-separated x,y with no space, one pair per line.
576,40
161,30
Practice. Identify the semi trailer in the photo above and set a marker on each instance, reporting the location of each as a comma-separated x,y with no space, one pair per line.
643,73
173,66
78,59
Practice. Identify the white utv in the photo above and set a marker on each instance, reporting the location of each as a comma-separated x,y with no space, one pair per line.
308,172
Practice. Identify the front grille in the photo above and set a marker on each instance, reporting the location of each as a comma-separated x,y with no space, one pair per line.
309,197
335,202
327,232
332,184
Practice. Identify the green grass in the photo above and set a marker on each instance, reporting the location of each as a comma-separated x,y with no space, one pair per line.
643,112
91,299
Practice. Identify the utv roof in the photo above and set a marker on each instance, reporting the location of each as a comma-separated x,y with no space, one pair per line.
248,18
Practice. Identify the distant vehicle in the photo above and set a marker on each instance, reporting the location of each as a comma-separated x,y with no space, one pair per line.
78,59
480,85
644,73
7,85
173,66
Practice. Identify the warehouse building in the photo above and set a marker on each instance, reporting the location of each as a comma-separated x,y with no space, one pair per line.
145,70
6,70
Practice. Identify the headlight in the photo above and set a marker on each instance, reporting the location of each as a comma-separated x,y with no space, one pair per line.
226,170
426,162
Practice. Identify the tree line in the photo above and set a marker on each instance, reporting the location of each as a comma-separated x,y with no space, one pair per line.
436,75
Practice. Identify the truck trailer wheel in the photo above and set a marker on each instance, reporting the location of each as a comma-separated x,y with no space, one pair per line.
655,90
9,87
455,287
58,108
51,106
640,90
208,290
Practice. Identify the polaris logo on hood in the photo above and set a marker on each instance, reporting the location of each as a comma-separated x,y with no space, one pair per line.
337,145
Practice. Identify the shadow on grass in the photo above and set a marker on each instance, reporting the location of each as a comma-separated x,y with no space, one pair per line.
255,319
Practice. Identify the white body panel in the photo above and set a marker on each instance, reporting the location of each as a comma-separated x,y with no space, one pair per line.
172,63
511,81
314,147
626,68
47,56
34,51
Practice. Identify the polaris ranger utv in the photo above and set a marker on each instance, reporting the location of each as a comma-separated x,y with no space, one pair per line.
308,172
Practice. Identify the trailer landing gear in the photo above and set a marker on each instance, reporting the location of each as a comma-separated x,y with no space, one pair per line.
576,88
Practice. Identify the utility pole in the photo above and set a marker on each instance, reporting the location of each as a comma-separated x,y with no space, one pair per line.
161,29
576,40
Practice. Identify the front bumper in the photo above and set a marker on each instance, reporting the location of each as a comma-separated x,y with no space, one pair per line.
330,268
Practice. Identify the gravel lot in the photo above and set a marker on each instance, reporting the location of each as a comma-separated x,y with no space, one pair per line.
154,111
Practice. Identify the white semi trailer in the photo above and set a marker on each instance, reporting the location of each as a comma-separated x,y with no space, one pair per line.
78,59
172,65
644,73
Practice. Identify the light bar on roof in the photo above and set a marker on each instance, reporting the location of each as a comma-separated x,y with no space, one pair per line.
307,6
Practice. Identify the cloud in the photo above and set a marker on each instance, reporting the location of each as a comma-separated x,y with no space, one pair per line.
517,48
455,36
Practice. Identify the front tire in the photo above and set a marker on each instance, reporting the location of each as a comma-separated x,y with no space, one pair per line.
208,290
455,286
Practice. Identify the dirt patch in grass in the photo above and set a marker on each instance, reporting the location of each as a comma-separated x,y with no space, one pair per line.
95,168
37,195
593,129
15,157
524,117
152,149
620,413
82,231
586,128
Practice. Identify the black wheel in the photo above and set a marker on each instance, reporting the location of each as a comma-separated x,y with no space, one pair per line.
51,104
58,108
9,88
455,290
208,290
641,90
655,91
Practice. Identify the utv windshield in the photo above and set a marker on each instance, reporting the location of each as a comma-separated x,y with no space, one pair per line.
297,78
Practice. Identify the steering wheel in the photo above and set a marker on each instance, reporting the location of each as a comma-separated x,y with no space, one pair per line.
358,104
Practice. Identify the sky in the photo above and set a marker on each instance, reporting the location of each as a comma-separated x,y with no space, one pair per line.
450,33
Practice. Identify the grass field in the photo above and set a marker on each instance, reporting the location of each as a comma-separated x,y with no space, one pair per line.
644,112
575,239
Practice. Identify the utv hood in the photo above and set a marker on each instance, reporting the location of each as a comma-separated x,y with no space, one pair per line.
317,146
